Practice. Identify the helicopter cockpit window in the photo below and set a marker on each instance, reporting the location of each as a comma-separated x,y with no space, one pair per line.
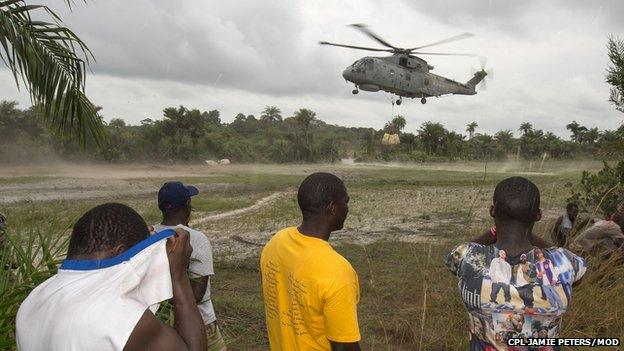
368,64
359,66
403,61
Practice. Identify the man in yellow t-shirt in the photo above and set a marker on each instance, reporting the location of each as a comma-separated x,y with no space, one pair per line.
310,291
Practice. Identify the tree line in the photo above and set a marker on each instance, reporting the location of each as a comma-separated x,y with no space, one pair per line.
191,135
51,61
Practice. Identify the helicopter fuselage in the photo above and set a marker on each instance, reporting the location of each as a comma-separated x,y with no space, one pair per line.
406,76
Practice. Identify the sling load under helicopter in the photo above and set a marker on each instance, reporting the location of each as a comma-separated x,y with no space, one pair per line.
403,73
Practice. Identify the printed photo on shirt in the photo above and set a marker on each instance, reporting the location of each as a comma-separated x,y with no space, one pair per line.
514,297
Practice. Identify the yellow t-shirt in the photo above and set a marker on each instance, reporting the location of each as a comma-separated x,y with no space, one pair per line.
310,293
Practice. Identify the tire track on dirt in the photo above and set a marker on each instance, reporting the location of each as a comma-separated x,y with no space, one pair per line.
258,205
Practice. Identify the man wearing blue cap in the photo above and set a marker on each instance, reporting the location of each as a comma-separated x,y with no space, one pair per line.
174,201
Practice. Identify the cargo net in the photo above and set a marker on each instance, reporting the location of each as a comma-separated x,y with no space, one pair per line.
390,139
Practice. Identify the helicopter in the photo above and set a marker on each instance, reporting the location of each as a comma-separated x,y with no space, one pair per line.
403,73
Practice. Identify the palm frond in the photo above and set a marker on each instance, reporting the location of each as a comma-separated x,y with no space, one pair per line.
51,61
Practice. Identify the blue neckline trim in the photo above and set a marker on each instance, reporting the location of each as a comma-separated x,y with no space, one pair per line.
88,265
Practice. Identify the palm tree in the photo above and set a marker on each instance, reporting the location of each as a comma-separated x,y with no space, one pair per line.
505,139
432,135
525,128
271,114
470,128
51,62
615,72
577,131
590,136
395,126
399,122
306,119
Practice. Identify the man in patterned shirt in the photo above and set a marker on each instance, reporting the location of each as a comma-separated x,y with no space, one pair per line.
515,209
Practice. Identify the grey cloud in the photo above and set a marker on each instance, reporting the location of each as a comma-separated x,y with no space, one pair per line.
239,56
249,45
513,16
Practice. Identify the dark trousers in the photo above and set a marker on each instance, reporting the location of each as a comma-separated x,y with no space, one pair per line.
496,288
526,294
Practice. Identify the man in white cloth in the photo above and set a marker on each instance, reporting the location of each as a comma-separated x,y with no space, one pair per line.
100,298
500,274
174,201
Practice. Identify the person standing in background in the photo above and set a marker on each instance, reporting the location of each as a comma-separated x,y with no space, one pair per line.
174,201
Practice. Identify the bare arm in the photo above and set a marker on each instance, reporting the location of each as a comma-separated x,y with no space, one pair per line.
342,346
152,334
199,287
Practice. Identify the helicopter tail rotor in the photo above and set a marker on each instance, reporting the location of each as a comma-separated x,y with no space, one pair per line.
482,74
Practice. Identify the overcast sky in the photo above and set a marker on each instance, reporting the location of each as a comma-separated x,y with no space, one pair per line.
548,57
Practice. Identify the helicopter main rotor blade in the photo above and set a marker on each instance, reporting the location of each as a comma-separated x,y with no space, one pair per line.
353,47
447,40
441,54
364,29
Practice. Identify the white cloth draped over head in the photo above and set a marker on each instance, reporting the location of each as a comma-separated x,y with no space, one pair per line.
95,305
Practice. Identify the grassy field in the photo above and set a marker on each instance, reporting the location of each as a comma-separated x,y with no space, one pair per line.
402,220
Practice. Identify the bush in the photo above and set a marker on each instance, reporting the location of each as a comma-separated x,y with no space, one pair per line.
30,256
600,191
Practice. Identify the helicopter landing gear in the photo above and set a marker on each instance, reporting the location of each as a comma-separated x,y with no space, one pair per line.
423,101
399,101
354,91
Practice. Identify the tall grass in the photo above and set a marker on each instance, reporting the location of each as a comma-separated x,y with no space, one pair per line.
409,300
31,254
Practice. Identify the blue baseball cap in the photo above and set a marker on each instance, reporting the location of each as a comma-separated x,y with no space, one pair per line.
174,194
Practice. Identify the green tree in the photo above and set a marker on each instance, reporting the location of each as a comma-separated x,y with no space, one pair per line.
525,128
484,146
184,128
470,128
306,118
271,114
51,61
615,72
432,136
396,125
369,143
329,150
399,123
211,118
453,145
577,131
117,123
590,136
504,140
610,145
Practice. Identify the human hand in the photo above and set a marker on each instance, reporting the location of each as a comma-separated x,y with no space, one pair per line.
179,253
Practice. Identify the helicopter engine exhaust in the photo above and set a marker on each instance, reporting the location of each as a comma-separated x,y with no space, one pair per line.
369,87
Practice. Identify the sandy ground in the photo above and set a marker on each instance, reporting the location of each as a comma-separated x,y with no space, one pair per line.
265,201
89,188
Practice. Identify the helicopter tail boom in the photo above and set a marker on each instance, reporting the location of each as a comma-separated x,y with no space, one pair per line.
476,79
